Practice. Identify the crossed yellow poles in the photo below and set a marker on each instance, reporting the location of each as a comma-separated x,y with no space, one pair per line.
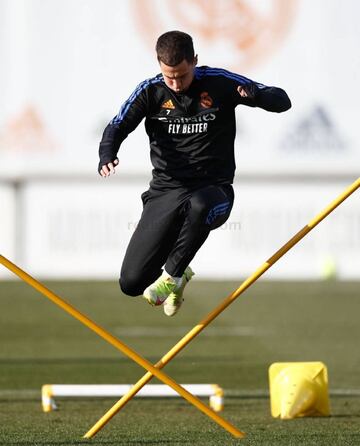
154,370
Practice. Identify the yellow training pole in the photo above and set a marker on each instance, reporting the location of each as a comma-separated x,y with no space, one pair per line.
210,317
121,346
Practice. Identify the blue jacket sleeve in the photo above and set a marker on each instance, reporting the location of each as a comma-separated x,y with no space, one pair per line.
273,99
129,117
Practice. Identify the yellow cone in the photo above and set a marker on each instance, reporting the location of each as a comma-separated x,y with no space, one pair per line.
298,389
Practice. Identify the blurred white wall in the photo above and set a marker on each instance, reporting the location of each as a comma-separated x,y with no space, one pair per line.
81,229
65,68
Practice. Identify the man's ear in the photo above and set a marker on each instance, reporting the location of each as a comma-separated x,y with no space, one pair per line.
195,60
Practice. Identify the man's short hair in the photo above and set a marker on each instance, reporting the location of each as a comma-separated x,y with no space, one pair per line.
173,47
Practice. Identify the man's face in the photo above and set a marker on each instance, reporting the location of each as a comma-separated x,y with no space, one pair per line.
179,77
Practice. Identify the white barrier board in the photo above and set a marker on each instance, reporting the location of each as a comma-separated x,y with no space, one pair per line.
82,230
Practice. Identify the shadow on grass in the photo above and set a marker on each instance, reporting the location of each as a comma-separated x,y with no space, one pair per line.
345,416
85,442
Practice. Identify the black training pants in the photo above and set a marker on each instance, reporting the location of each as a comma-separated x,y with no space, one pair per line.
173,226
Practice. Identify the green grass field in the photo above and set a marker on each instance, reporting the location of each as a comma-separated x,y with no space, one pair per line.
270,322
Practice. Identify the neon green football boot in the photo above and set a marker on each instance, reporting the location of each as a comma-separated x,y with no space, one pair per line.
159,291
174,301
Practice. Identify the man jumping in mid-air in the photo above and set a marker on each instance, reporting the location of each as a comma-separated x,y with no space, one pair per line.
189,116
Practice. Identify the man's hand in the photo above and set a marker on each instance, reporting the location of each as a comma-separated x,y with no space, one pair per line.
247,91
109,168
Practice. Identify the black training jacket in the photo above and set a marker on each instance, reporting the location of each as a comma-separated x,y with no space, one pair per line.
191,134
